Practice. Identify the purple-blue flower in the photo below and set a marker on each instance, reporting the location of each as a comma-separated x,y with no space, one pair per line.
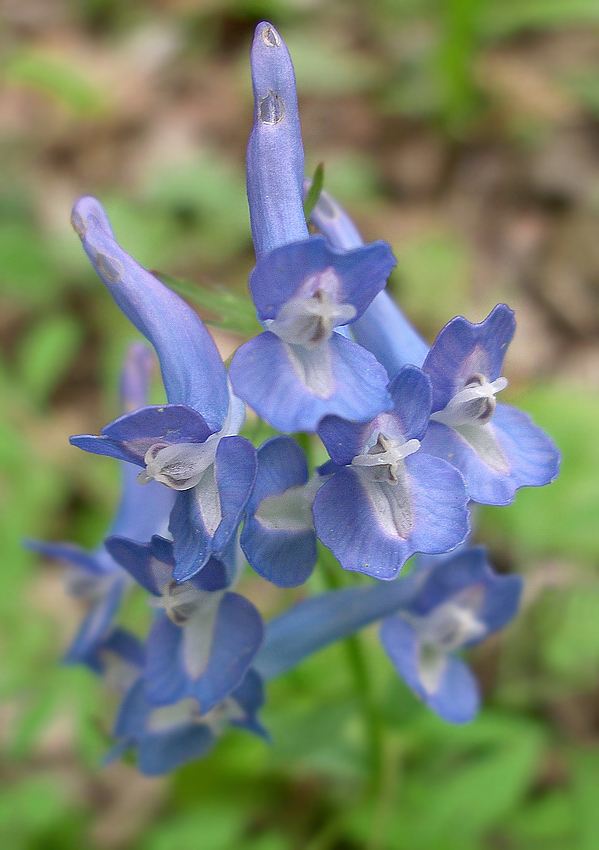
166,737
459,602
95,577
496,448
300,369
189,444
387,498
204,636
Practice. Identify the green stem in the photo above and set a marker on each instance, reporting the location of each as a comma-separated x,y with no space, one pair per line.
358,664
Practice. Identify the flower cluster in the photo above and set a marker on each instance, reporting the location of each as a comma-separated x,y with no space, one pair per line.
414,435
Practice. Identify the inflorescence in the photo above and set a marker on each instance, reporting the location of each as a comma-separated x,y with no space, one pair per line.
415,435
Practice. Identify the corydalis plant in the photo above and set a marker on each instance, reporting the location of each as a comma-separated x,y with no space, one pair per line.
413,435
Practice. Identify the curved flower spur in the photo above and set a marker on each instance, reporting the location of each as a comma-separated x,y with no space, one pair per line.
300,369
496,447
189,444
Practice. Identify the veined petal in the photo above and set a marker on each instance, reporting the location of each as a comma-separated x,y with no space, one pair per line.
455,697
238,632
498,457
191,366
205,518
346,381
374,527
463,349
300,269
130,436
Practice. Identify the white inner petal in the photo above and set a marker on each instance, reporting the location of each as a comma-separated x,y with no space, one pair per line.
208,500
292,510
432,662
178,465
474,404
482,439
180,601
226,710
384,460
118,673
198,633
446,628
314,368
309,321
170,716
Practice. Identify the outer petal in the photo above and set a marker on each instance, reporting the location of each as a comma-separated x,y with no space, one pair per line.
346,381
130,436
467,567
96,625
70,553
286,553
298,268
249,695
515,454
158,751
411,393
150,564
161,752
205,518
191,366
457,697
463,349
164,673
374,527
238,633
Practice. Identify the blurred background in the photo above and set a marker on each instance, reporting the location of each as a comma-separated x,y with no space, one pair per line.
464,132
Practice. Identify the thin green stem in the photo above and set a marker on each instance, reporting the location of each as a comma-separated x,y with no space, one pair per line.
358,664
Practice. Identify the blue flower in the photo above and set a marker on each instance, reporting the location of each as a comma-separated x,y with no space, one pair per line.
278,536
391,499
203,637
95,577
190,444
446,603
496,448
459,602
300,369
166,737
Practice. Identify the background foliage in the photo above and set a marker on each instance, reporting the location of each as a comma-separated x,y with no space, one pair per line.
465,133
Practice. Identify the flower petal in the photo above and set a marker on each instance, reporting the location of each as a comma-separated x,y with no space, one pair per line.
293,389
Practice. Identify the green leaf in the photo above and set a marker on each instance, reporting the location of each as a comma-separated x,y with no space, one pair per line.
314,191
235,311
45,354
57,78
